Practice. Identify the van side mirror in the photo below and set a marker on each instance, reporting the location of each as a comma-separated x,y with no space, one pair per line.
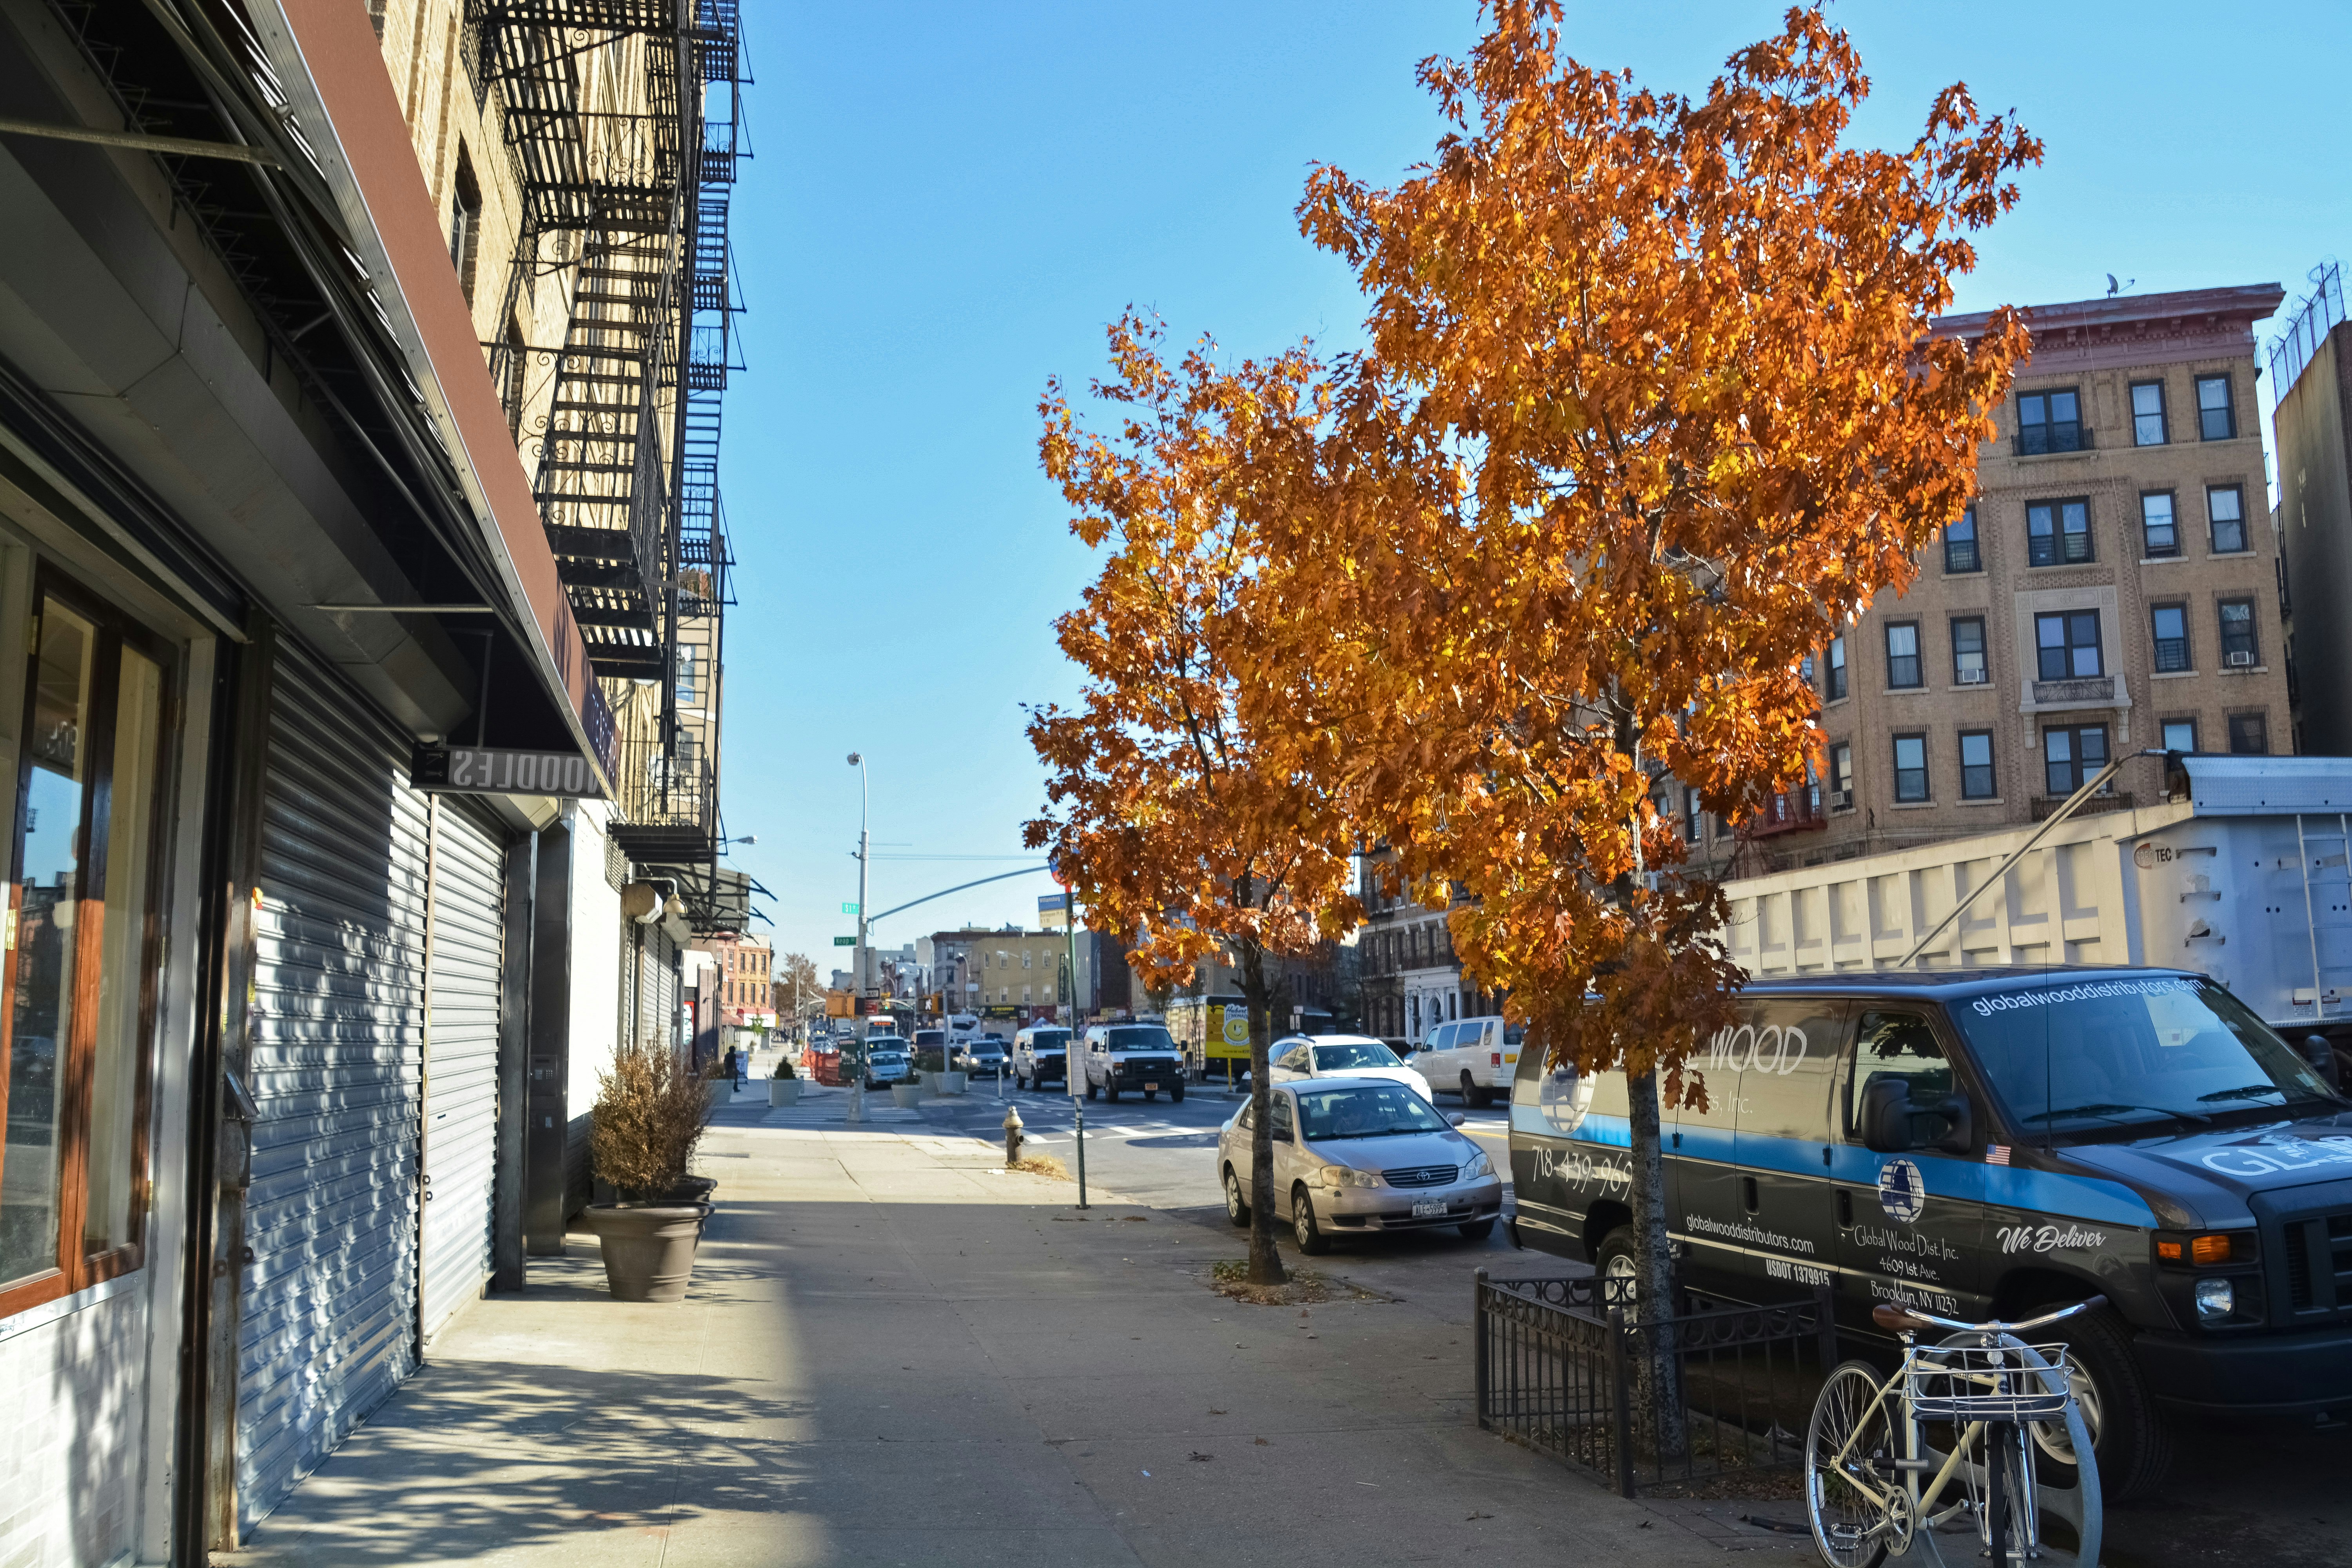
1887,1114
2321,1055
1895,1123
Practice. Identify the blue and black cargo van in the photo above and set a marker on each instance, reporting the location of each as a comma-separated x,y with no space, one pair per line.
1979,1142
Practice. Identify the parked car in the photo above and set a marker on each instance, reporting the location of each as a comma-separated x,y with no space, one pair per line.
886,1060
1474,1058
1323,1056
1137,1056
983,1055
1354,1154
1983,1142
1040,1056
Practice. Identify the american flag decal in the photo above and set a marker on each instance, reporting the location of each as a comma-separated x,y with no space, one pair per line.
1996,1154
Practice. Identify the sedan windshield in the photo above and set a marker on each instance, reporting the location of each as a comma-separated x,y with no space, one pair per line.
2101,1056
1140,1037
1354,1054
1387,1111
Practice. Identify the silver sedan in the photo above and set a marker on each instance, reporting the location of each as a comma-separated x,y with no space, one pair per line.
1358,1155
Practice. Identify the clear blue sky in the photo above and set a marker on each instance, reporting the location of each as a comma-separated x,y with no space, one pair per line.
950,201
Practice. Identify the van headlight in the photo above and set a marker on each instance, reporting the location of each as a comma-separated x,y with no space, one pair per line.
1348,1176
2215,1298
1479,1165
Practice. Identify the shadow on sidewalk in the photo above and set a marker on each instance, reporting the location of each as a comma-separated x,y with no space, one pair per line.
481,1457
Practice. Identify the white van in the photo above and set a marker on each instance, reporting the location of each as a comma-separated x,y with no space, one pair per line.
1474,1058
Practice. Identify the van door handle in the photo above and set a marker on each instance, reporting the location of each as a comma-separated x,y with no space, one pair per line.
1845,1210
1749,1196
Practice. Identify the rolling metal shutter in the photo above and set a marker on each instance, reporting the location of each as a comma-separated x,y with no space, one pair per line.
461,1076
328,1320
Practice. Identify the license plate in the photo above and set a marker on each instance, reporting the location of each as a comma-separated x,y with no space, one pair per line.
1428,1208
1151,1088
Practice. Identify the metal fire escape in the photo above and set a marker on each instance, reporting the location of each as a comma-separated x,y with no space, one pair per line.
623,120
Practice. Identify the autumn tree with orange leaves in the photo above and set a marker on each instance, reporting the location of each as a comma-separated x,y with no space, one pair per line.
1162,810
1652,407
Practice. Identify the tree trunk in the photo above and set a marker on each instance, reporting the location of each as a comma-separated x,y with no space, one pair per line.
1660,1372
1264,1262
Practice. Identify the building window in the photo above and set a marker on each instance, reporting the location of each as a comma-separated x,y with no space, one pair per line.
465,224
2225,507
1903,656
2216,420
2238,651
1910,767
1837,669
2068,643
516,386
1976,764
1841,774
1692,825
2072,756
1960,545
2049,422
2170,623
2057,532
2249,735
2181,734
689,689
2162,536
2147,413
1969,650
82,955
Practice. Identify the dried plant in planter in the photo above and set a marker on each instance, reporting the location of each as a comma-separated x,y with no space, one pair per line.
650,1114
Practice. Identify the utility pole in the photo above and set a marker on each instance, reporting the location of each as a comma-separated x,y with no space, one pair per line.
859,1026
1074,1048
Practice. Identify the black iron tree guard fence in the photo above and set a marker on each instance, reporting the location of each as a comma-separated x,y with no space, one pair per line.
1561,1369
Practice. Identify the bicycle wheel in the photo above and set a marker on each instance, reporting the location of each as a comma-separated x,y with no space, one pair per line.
1851,1481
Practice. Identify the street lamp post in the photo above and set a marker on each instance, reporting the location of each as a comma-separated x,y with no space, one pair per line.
857,989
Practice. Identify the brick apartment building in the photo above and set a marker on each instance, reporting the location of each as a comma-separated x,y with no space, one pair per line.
2115,587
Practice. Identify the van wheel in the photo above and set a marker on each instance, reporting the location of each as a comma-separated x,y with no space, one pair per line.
1236,1206
1110,1092
1091,1091
1176,1095
1311,1239
1620,1269
2127,1431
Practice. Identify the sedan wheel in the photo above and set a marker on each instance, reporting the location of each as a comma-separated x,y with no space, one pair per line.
1311,1239
1236,1206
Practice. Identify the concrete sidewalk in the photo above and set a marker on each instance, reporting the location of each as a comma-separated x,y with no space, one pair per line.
895,1352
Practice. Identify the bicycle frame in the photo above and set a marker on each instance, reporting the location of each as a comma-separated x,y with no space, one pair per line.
1920,1502
1981,1356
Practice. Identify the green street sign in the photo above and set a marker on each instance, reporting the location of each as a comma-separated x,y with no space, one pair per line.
849,909
845,941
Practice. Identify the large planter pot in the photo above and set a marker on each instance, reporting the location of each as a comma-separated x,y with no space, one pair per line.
954,1082
648,1247
784,1091
907,1094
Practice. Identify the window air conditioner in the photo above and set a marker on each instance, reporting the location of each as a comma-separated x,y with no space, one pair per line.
1972,677
2241,660
1843,799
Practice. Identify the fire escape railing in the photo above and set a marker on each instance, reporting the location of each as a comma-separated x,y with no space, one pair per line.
628,195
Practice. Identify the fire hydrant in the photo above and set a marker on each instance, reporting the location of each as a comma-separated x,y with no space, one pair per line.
1011,1134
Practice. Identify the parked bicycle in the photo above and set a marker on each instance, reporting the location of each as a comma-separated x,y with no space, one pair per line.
1949,1436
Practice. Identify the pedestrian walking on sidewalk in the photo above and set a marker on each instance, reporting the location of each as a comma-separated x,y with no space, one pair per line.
734,1065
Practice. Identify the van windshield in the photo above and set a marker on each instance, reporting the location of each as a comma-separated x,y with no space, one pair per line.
2099,1058
1140,1037
1049,1039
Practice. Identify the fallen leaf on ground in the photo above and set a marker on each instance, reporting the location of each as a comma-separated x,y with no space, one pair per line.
1198,1457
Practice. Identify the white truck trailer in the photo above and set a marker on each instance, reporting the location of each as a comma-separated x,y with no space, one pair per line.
2242,875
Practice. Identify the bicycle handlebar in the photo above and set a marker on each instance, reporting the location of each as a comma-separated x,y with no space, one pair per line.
1910,1320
